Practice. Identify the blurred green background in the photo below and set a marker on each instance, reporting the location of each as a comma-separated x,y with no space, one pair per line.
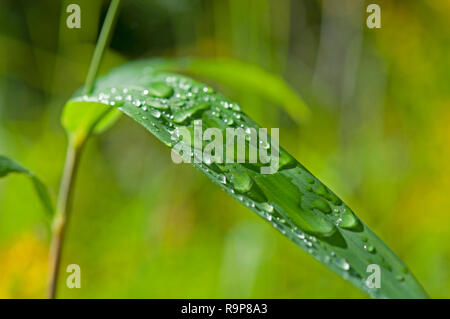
142,226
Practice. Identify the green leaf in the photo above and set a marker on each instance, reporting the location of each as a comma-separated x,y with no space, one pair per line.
8,166
82,119
251,79
294,201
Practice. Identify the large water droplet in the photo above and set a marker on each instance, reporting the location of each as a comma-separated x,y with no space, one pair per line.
348,220
286,160
315,224
320,190
241,181
333,198
157,104
183,114
322,205
160,89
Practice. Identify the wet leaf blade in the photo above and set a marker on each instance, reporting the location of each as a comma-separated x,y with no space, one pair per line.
294,201
251,79
81,119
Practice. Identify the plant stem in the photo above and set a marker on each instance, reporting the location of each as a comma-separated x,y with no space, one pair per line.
73,156
102,42
62,213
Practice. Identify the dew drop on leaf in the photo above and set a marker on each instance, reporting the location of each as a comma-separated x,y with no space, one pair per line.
342,263
183,114
370,249
155,113
241,181
348,220
267,207
321,205
160,89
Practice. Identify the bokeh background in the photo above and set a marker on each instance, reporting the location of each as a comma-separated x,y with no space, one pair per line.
142,226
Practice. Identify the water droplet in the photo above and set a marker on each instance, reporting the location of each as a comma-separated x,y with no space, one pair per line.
241,181
207,159
400,277
342,263
225,104
333,198
236,107
216,114
370,249
267,207
183,114
320,190
208,90
155,113
160,89
286,160
322,205
228,121
348,220
157,104
222,179
309,180
312,223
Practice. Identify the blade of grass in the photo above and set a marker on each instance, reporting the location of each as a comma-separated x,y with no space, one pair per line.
292,199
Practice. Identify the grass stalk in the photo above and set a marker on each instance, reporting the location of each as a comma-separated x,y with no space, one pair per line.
73,157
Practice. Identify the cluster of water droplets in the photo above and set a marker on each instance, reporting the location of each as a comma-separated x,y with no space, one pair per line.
170,102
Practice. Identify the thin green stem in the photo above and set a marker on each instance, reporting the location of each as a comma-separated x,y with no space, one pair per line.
73,156
102,43
62,213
